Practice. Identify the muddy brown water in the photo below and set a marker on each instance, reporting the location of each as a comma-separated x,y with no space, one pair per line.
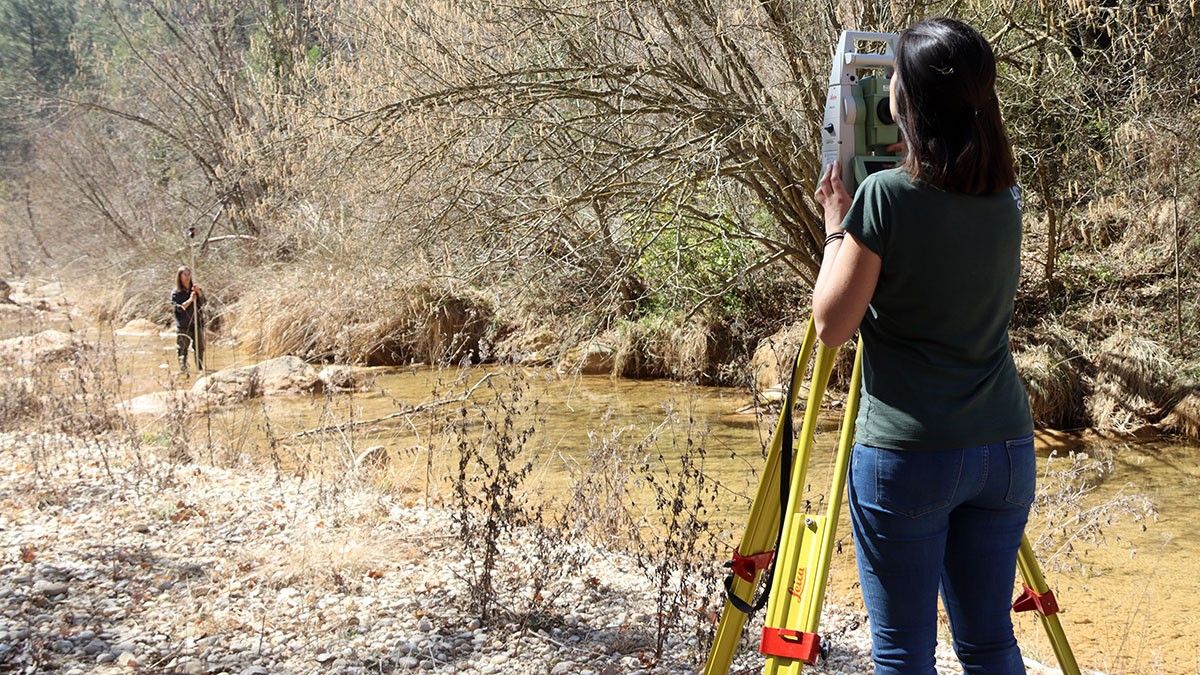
1130,603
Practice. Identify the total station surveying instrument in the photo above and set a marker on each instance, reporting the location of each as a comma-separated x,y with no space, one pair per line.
783,548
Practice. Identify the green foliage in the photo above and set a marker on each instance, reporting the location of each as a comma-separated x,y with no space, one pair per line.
35,43
36,59
683,261
313,55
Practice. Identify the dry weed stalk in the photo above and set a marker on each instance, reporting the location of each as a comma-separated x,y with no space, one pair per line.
679,540
1067,518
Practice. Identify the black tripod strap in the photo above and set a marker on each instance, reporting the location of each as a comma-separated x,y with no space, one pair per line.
785,489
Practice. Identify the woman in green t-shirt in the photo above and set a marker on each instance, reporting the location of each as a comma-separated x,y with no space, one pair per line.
942,473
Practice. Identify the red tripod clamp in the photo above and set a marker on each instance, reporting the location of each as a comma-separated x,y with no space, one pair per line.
747,566
790,644
1029,600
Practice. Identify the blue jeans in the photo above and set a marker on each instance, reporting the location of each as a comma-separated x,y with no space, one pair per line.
948,518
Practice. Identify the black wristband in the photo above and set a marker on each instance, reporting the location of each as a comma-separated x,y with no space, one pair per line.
835,236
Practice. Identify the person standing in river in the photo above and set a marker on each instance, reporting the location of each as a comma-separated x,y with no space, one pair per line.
924,262
188,300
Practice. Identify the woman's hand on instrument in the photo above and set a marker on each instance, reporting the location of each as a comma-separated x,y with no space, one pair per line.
832,196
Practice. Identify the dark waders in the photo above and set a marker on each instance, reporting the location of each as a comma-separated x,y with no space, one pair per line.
190,338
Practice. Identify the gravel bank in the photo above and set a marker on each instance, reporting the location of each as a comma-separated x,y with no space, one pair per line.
197,569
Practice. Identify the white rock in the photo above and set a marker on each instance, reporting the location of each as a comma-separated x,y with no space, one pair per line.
138,328
49,587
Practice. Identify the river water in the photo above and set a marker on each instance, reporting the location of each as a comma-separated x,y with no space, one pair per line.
1129,601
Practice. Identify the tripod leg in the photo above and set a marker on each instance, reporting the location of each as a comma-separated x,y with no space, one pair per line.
836,493
763,526
1038,597
790,637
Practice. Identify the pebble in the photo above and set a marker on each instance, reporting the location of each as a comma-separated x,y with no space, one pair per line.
190,667
63,646
95,646
49,588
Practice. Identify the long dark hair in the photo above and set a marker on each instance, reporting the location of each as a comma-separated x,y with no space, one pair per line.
947,109
179,278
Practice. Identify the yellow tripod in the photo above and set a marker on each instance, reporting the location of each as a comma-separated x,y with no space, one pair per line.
797,567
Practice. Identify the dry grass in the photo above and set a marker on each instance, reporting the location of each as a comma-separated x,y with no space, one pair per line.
693,351
1056,376
344,317
1135,382
332,556
1184,418
18,402
1052,384
641,349
530,345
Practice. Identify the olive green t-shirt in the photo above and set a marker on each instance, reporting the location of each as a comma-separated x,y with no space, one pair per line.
937,369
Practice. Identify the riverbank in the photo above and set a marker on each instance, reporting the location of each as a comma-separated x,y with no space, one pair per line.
115,561
1121,388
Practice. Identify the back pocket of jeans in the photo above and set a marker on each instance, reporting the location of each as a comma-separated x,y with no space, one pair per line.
1022,471
914,482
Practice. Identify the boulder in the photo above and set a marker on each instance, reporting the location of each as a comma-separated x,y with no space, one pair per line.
139,327
773,358
340,377
49,346
5,291
12,311
596,357
282,376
